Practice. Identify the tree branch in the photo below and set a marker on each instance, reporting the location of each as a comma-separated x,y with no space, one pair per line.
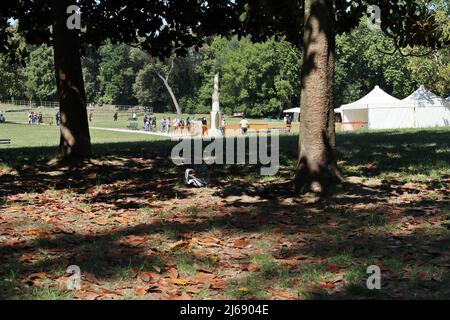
170,70
398,48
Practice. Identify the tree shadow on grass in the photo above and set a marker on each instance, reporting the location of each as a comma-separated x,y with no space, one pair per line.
414,266
131,169
326,231
389,152
136,171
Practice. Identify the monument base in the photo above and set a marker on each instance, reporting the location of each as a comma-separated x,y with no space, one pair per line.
216,121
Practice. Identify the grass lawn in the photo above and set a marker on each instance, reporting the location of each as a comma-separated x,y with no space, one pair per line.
102,118
24,135
137,232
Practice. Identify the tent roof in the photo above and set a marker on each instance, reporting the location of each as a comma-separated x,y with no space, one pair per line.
293,110
376,98
422,95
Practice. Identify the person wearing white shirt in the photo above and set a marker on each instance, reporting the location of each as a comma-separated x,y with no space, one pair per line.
244,125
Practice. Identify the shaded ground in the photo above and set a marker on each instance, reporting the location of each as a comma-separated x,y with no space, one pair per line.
138,233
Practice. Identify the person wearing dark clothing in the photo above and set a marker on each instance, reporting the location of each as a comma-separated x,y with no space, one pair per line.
188,124
58,118
289,122
146,123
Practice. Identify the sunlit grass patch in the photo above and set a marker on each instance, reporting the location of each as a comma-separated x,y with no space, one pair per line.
48,293
185,263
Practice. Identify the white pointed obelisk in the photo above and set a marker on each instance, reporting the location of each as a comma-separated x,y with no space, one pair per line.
216,115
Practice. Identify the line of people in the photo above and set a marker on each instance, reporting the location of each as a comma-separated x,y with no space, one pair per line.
34,118
166,124
149,123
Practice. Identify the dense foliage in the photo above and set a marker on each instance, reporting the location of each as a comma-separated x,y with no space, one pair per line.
259,79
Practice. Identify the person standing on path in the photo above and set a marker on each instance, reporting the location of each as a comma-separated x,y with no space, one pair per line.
204,126
244,125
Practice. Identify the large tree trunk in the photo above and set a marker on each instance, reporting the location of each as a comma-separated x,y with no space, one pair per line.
75,141
316,168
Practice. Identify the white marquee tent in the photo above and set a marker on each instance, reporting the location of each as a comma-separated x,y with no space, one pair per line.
295,111
379,110
376,110
429,109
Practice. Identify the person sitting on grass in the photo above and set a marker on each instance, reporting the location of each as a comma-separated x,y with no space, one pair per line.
2,118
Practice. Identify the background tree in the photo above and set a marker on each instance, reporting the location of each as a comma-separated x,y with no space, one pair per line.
432,70
149,90
186,79
91,73
116,74
256,78
360,66
13,81
40,77
163,71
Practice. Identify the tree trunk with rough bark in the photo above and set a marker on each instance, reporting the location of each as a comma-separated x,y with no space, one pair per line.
75,141
316,168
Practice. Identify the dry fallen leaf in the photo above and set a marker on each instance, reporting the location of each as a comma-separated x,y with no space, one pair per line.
240,243
140,291
179,244
172,271
179,281
218,284
280,293
101,222
145,276
254,268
